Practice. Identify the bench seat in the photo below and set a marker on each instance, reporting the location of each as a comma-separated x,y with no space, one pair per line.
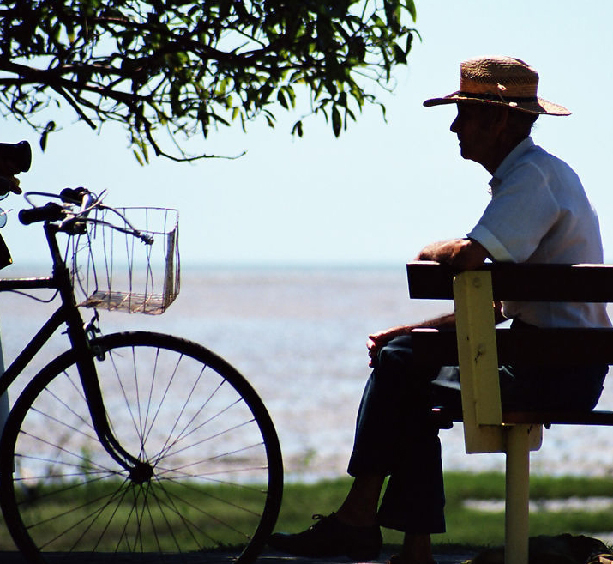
602,417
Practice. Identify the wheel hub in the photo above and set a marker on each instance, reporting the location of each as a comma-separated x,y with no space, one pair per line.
142,472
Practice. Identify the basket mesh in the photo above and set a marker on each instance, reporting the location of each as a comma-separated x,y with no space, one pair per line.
117,271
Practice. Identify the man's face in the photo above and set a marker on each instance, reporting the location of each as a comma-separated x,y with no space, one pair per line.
475,126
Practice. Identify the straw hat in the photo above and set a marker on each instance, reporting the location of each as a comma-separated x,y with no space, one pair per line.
503,81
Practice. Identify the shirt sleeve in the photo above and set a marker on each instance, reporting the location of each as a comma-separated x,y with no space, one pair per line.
519,215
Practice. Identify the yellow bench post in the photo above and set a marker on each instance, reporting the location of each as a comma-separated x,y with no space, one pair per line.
476,335
484,430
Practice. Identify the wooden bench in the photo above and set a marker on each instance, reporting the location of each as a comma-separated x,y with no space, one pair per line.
478,347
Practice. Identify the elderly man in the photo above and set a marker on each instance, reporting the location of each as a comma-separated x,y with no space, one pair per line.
538,213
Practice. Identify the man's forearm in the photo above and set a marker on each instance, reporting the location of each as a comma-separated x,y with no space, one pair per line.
465,254
443,322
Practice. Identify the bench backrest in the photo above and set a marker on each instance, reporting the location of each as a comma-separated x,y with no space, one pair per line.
520,282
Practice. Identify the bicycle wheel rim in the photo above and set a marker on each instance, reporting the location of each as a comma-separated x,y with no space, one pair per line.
216,466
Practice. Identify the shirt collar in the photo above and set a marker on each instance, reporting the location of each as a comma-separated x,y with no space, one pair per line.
504,167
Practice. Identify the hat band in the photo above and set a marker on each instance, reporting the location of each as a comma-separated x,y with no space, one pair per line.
498,97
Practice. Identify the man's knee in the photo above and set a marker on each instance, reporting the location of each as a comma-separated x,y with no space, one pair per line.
396,358
396,355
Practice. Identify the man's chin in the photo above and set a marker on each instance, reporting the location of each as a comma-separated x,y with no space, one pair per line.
467,155
464,154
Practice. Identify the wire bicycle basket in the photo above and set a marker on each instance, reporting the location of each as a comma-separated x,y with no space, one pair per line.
117,268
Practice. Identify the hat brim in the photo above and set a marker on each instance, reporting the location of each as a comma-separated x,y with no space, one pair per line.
532,106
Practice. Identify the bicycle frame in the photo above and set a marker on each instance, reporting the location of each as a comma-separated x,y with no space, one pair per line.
67,313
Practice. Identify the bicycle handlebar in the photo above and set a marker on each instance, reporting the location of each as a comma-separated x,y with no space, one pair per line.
48,212
74,222
59,212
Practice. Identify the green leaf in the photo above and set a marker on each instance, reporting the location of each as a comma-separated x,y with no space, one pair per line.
410,6
409,44
138,157
43,137
297,129
399,55
336,121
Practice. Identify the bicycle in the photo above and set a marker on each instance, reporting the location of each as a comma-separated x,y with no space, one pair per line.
133,442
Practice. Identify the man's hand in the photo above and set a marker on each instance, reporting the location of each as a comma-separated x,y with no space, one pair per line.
378,340
464,254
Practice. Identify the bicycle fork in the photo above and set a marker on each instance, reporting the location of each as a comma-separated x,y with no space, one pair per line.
139,472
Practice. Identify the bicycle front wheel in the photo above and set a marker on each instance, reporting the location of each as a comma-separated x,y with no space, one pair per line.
216,471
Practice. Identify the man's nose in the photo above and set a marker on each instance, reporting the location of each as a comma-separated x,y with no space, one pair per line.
454,126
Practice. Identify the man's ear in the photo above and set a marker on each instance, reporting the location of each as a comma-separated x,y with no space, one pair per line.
501,120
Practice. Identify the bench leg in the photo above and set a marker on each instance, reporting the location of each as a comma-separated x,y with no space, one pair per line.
517,494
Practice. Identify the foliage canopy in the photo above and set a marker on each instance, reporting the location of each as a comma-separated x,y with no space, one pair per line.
170,69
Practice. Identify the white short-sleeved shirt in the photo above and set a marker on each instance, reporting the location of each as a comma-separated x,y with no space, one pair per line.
539,213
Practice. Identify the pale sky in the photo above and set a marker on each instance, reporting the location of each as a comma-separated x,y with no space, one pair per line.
382,190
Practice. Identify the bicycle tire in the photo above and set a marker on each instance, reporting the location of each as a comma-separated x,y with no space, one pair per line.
217,470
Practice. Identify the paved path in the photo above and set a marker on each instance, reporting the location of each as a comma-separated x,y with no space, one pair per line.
453,557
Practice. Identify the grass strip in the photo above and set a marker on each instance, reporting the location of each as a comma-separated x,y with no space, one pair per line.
465,526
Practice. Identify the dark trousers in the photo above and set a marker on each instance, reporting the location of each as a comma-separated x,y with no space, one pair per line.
394,436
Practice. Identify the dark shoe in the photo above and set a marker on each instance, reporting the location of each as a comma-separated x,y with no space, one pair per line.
401,559
330,537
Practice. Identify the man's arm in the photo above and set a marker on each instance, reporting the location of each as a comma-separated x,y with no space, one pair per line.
465,254
382,337
378,340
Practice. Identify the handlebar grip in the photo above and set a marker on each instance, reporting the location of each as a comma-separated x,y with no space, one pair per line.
48,212
73,195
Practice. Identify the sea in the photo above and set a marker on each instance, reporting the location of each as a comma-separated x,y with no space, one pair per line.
298,334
